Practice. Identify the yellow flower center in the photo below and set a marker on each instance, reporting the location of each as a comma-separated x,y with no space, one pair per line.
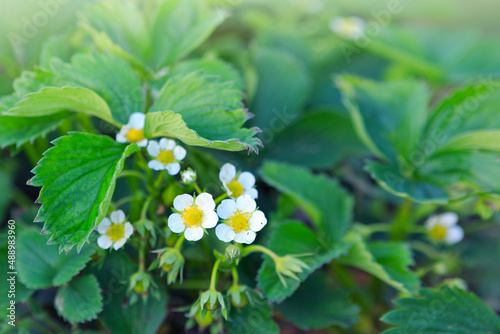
350,26
235,188
239,222
166,157
192,217
438,232
116,232
135,135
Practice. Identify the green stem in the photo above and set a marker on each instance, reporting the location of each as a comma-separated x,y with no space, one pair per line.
31,153
132,173
145,207
234,271
159,179
20,198
198,189
142,254
425,249
178,243
220,198
125,200
257,248
213,278
403,222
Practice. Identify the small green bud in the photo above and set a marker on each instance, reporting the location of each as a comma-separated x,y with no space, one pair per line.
233,253
238,296
172,262
289,266
188,176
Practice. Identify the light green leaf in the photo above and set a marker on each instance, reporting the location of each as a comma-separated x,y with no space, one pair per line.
77,177
50,101
485,140
449,310
204,112
316,305
387,261
180,27
328,205
252,316
41,266
293,238
284,85
80,300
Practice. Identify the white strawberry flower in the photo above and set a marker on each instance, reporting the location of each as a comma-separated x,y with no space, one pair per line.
167,154
133,132
241,220
235,184
115,231
444,228
193,215
348,27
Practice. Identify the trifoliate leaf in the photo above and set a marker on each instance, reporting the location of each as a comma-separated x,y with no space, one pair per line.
77,177
40,266
201,111
449,310
80,300
328,205
387,261
293,238
51,101
256,314
316,305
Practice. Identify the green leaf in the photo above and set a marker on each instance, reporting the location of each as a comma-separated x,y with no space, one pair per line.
77,177
387,261
41,266
284,85
293,238
80,300
111,77
317,139
328,205
50,101
254,315
444,311
180,27
316,305
201,111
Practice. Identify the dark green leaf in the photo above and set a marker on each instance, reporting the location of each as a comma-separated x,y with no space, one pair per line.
252,316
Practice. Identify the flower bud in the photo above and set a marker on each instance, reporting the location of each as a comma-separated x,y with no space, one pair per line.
238,296
233,253
289,266
172,262
188,176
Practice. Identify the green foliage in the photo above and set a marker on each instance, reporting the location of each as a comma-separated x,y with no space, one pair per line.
256,314
80,300
316,305
327,204
427,156
294,238
447,310
387,261
41,266
78,178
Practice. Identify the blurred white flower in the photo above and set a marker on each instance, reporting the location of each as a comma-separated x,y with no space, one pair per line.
193,215
167,154
444,228
348,27
237,185
241,220
133,132
115,231
188,176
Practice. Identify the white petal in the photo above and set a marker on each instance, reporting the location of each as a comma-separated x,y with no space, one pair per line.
448,219
252,192
137,120
176,223
167,144
257,221
142,143
227,173
245,203
173,168
226,208
193,233
156,165
103,227
455,234
104,242
245,237
129,229
179,152
205,202
117,216
431,222
247,180
225,233
119,244
121,138
210,219
153,148
182,202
